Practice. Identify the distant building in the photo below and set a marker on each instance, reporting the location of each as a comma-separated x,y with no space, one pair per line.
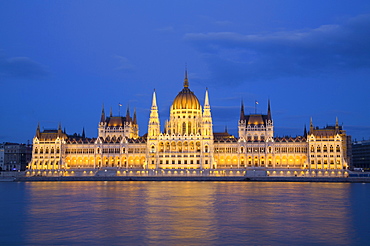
2,156
361,154
15,156
188,142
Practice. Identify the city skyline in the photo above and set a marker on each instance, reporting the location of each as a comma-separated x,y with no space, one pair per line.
61,61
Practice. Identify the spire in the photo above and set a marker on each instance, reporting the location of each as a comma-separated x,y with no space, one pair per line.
305,131
135,120
186,82
128,114
207,107
153,126
59,126
242,111
269,111
225,128
83,132
206,99
154,100
38,130
102,118
111,112
311,125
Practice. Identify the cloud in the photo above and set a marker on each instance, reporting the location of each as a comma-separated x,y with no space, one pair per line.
234,57
124,63
166,29
21,68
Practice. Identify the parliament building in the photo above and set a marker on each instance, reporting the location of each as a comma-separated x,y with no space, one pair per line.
188,143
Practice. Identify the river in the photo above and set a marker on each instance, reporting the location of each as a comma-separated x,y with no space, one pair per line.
184,213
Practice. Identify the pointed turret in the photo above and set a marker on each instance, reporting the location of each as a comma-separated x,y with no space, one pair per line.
311,126
102,118
128,118
242,115
111,112
38,130
207,107
336,125
206,99
83,132
269,117
154,127
135,120
305,131
207,118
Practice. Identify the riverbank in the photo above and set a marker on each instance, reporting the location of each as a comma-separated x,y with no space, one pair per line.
194,178
244,175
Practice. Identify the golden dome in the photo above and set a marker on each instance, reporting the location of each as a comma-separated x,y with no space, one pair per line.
186,98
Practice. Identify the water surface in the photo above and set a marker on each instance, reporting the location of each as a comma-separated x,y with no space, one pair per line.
184,213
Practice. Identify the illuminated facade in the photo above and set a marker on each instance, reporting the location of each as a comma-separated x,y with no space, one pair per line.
188,142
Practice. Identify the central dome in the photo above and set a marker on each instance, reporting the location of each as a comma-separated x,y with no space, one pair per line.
186,98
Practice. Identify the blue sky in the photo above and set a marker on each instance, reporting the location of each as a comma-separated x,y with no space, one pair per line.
61,60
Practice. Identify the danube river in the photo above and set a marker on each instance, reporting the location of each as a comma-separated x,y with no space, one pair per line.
184,213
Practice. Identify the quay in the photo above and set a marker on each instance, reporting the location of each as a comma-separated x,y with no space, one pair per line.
245,175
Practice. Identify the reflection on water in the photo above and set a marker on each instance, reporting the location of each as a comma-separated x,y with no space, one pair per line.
186,213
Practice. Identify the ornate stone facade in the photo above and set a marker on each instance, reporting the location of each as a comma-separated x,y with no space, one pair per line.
188,142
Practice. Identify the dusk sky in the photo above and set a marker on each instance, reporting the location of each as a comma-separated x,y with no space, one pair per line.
60,61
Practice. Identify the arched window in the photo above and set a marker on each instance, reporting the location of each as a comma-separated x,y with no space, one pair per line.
337,148
312,148
241,149
161,147
325,148
318,149
198,146
183,128
206,148
36,150
331,148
